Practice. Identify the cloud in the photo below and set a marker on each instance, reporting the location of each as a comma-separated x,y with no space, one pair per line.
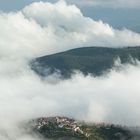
37,29
109,98
67,22
45,28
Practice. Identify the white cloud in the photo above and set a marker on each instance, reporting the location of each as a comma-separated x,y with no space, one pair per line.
44,28
68,23
37,29
109,98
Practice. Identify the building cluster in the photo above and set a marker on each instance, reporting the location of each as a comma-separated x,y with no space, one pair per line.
61,122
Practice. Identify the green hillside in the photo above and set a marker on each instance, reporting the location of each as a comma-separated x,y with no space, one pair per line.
63,128
94,60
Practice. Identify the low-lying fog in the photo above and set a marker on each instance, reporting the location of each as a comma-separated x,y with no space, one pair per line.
45,28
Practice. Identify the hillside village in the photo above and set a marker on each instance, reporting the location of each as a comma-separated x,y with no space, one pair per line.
60,124
67,128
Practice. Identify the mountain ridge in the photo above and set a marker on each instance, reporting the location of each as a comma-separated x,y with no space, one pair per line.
88,60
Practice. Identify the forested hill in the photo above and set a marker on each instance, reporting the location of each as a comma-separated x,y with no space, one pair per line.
64,128
94,60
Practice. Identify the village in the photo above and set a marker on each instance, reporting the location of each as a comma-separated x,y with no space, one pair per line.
61,123
67,128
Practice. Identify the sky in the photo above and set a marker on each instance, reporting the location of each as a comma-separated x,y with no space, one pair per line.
124,14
